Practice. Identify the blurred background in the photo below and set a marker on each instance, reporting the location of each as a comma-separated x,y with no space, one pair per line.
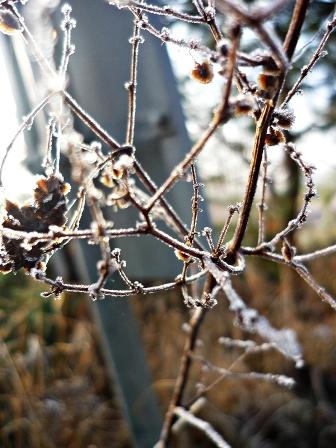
80,374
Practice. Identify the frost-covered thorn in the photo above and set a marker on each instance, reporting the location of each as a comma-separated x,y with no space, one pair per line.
55,290
66,9
138,287
38,271
208,301
164,34
134,39
116,254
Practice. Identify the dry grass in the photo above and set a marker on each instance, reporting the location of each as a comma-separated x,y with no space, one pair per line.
54,390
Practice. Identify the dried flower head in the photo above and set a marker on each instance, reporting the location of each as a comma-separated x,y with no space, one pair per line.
182,256
267,85
47,209
122,161
270,67
242,107
203,72
285,118
274,137
107,179
119,197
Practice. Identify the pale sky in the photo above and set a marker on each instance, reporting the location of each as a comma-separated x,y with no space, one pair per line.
17,180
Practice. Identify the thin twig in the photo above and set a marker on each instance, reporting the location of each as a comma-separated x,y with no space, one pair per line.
58,286
262,204
204,426
317,254
319,53
132,84
183,374
194,205
297,265
309,279
231,210
219,117
165,11
26,123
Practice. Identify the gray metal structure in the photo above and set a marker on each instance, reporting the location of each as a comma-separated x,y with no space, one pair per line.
98,71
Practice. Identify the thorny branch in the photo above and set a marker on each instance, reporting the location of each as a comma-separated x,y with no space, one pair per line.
31,234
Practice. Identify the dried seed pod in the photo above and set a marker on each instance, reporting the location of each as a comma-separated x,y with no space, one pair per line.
267,84
182,256
50,201
275,137
203,72
122,203
119,197
107,180
9,23
66,188
122,160
285,118
41,266
242,107
48,209
117,172
270,67
121,166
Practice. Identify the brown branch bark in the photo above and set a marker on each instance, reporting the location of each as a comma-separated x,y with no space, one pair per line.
290,43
